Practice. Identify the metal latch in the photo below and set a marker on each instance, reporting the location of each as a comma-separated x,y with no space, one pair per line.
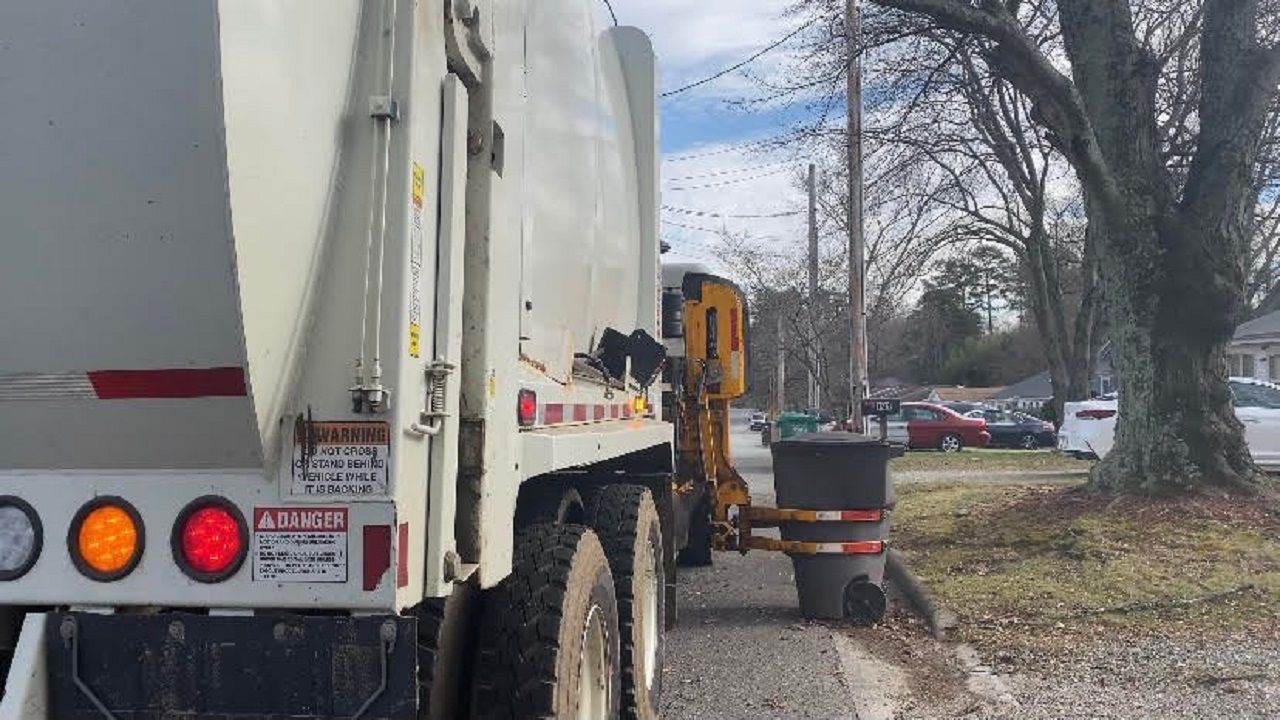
431,419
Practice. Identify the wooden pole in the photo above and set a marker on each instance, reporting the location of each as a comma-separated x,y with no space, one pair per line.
857,252
815,393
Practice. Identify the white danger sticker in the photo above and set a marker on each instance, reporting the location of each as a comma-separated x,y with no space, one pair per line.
304,545
341,458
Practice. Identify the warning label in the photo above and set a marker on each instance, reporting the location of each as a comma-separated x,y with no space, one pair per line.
415,264
300,544
341,458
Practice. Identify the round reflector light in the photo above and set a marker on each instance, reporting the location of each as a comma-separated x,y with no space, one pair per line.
21,537
210,539
106,539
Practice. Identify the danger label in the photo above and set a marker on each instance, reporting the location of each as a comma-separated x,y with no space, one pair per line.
303,545
341,458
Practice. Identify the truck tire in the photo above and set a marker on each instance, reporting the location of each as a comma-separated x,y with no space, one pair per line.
626,519
445,633
697,550
548,645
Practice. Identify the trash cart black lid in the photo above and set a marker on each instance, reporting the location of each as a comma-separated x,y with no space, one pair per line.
832,471
806,441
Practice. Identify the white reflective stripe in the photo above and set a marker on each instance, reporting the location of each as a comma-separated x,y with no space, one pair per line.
847,515
46,386
846,548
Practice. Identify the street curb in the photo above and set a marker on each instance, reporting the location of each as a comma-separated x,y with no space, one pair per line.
939,619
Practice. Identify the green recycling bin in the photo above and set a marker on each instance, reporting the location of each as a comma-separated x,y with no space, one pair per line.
793,423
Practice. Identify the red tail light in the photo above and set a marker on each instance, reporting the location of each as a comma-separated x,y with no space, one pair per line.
210,539
527,408
1095,414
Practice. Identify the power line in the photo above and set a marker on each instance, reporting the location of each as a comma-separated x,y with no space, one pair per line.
612,14
733,171
732,148
742,64
672,223
704,213
722,183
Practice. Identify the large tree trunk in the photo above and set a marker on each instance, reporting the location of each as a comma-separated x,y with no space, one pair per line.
1171,314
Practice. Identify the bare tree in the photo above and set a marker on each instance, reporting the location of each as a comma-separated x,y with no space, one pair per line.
1171,200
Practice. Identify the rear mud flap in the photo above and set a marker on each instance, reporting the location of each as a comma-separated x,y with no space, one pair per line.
148,667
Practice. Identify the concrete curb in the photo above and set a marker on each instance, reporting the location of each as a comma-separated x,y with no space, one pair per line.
939,619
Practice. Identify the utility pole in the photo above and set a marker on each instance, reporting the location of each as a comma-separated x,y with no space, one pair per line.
857,253
815,394
780,389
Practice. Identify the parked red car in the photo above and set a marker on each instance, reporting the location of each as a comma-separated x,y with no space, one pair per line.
929,426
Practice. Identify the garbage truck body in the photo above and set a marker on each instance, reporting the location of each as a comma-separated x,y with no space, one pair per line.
323,324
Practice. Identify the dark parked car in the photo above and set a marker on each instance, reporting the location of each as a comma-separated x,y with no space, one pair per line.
1017,430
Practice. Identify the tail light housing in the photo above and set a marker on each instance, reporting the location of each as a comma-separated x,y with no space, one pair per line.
21,537
527,408
210,539
106,539
1095,414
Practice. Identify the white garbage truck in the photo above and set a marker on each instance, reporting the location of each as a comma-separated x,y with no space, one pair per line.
330,362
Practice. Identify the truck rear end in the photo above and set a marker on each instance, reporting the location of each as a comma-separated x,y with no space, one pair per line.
296,297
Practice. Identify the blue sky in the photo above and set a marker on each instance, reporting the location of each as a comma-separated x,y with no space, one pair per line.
694,40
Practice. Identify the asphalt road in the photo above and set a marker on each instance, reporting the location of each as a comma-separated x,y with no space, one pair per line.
741,648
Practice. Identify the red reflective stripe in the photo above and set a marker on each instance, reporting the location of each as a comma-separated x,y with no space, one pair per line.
377,555
599,412
579,413
860,515
164,384
735,335
866,547
402,556
552,414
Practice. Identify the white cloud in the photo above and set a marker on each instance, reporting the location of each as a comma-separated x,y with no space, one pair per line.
696,39
774,187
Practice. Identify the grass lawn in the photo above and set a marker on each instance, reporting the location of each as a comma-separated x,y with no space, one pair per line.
972,460
1025,566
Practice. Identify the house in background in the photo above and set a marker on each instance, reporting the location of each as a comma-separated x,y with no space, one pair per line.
1031,394
1028,395
1255,350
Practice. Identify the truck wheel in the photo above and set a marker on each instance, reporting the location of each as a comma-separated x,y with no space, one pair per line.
444,635
548,645
697,552
626,519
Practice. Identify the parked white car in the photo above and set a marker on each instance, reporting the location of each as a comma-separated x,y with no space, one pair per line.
1089,428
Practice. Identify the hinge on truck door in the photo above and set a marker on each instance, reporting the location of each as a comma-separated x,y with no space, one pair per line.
431,419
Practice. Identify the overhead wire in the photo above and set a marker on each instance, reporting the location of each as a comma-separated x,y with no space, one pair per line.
733,181
612,14
742,64
731,171
673,223
722,151
743,216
